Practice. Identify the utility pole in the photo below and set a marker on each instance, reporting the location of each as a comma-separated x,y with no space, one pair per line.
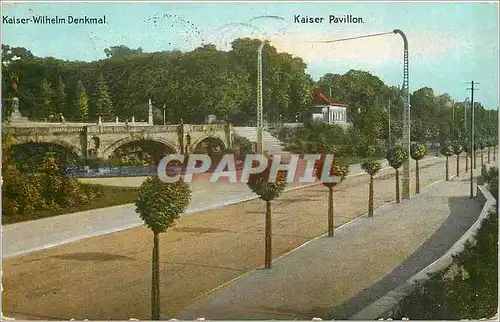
473,154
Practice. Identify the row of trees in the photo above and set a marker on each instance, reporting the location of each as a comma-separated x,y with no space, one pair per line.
190,85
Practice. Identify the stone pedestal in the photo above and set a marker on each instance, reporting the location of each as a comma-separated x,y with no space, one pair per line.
16,116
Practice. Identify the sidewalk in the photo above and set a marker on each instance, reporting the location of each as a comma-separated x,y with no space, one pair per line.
24,237
336,277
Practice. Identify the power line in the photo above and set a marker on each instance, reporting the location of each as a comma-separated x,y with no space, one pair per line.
345,39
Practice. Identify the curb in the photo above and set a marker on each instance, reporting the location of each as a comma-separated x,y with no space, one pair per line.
384,306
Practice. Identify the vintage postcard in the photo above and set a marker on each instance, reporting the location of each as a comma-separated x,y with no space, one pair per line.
250,160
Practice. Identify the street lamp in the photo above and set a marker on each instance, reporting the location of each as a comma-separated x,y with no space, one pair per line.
260,119
406,117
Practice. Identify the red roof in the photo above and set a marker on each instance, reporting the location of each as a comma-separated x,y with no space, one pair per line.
320,98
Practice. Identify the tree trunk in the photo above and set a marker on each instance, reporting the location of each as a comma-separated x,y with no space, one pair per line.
370,198
494,153
268,235
489,148
447,172
398,199
467,162
474,159
458,165
155,281
330,212
482,158
417,180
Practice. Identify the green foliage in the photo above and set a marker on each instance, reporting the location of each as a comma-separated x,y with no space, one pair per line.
104,104
396,157
121,51
340,169
481,144
491,179
372,167
457,148
27,157
417,151
44,106
82,105
466,146
44,188
60,97
160,204
467,289
267,191
447,149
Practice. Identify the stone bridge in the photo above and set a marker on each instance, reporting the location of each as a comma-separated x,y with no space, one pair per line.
101,140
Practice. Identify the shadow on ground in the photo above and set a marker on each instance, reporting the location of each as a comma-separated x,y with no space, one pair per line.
92,257
464,212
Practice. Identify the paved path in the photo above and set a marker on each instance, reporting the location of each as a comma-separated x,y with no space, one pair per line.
368,257
25,237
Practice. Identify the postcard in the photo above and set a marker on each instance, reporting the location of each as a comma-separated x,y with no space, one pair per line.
250,160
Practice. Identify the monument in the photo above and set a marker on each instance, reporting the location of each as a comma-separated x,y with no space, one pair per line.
16,116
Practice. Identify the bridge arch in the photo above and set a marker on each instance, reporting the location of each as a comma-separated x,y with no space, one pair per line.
112,148
29,154
210,140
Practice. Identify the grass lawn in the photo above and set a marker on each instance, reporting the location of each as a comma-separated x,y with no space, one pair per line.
112,196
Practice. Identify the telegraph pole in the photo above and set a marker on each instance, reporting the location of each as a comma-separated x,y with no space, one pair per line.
473,154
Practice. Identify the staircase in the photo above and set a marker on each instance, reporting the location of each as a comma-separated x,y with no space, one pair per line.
271,143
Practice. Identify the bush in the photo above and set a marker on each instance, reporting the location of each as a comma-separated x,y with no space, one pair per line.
491,179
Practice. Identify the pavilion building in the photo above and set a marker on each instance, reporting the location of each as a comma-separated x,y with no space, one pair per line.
328,109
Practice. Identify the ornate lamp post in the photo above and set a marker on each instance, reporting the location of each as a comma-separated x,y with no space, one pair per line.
260,119
406,117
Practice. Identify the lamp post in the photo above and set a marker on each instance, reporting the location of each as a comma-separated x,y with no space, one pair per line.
406,117
260,119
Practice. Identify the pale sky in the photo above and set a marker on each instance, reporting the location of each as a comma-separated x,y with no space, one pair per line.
449,43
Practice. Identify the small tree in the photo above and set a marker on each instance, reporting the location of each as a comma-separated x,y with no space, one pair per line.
81,103
457,150
159,205
481,145
466,147
489,143
494,149
340,169
447,151
417,152
372,167
104,104
396,157
267,191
